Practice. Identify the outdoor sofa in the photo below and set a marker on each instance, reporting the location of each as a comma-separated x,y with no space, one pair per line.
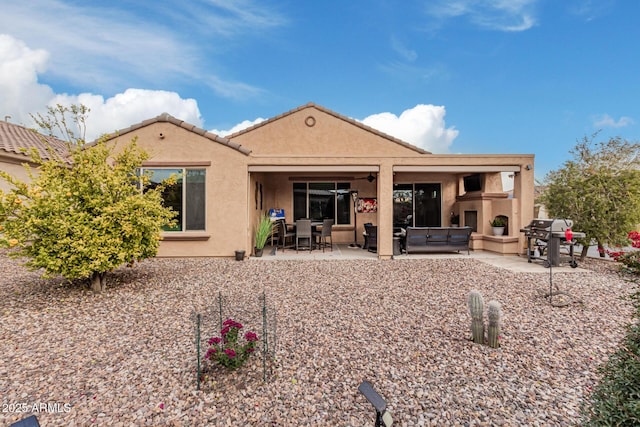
437,239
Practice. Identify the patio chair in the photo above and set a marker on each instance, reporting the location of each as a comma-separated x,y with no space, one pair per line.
284,235
364,234
324,234
372,237
303,232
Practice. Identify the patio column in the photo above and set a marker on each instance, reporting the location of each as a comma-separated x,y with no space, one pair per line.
385,211
523,190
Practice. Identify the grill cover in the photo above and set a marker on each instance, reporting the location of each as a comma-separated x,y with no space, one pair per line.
544,228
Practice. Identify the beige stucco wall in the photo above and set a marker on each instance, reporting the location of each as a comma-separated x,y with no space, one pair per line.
14,166
226,188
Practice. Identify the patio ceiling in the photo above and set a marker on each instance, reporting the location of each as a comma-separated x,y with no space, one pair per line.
460,168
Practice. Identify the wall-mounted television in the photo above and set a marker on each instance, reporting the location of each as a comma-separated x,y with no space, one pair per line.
472,182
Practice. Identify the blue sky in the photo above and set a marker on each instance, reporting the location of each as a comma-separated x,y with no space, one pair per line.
451,76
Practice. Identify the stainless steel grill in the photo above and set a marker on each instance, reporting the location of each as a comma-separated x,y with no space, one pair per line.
546,241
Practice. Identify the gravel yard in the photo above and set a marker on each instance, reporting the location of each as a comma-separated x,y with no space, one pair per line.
127,357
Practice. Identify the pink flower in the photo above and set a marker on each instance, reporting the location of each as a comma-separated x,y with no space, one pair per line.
251,336
214,340
230,353
161,406
210,353
230,323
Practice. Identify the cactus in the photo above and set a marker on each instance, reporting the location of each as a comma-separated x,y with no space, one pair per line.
494,313
476,308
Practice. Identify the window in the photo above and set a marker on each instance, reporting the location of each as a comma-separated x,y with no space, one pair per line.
322,200
186,196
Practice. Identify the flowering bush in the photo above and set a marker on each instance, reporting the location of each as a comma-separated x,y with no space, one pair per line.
226,350
629,259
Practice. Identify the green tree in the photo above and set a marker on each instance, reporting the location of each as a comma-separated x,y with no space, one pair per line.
82,216
599,189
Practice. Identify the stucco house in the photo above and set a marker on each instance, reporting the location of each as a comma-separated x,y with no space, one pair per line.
309,162
15,144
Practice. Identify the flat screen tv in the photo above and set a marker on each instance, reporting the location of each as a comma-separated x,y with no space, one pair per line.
473,182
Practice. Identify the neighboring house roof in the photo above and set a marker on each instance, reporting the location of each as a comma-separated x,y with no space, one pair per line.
337,115
165,117
16,140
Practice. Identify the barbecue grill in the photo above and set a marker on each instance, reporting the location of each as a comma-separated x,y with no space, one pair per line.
546,241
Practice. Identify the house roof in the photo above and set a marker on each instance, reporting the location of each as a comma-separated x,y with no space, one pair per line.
19,140
166,117
336,115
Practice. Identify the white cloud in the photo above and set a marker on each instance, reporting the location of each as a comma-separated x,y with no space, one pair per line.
422,125
237,128
130,107
606,121
105,48
500,15
22,94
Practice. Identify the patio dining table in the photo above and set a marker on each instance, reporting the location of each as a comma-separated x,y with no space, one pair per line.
314,225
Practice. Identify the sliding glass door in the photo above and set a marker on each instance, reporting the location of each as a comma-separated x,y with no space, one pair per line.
426,205
417,205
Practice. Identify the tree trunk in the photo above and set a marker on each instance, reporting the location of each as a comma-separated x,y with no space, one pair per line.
601,249
98,282
583,254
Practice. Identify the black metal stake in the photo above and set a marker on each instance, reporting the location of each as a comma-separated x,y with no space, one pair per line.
265,343
220,307
355,244
550,283
198,350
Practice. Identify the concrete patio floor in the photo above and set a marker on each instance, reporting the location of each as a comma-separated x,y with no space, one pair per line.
344,252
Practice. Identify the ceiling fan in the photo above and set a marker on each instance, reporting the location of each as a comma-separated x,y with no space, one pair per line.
369,178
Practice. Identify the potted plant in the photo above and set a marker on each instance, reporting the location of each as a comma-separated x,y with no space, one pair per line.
264,230
455,220
498,224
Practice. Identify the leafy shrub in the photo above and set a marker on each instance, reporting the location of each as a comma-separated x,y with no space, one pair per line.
615,401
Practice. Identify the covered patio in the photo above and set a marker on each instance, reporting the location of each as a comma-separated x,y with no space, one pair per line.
393,197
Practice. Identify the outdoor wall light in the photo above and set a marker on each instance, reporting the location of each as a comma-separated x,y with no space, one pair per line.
383,418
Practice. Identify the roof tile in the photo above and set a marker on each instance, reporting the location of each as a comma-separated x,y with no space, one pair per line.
16,139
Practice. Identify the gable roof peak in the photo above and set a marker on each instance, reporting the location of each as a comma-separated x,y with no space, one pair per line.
168,118
336,115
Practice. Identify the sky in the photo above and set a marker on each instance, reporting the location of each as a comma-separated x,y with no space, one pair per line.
450,76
